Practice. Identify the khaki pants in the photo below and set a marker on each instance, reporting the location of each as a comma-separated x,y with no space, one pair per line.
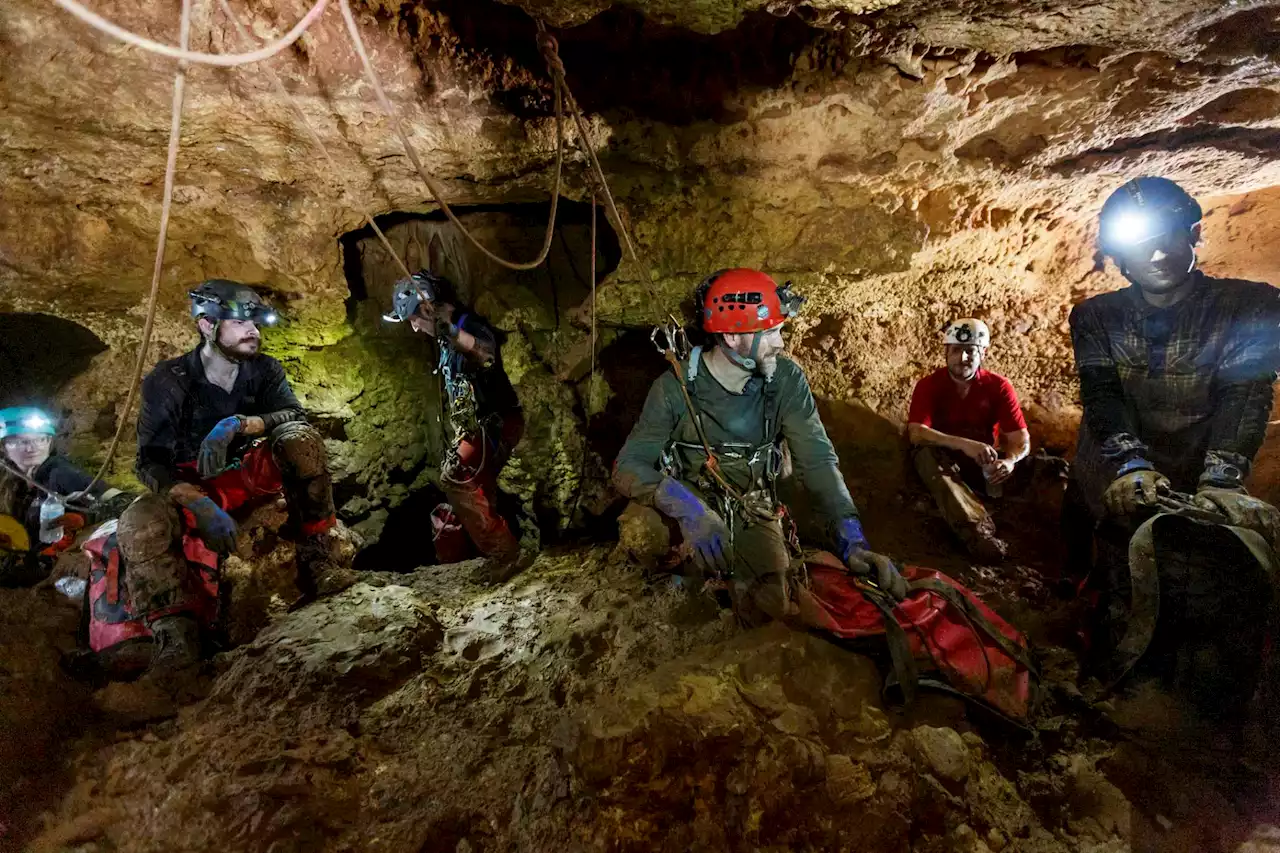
944,477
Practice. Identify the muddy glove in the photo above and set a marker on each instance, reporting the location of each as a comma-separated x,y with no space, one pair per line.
1135,489
703,528
213,450
852,544
1242,510
215,527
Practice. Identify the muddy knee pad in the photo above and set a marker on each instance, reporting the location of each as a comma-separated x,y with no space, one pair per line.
150,541
299,450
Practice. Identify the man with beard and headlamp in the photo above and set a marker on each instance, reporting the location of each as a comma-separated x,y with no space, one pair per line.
219,429
1176,371
748,399
958,416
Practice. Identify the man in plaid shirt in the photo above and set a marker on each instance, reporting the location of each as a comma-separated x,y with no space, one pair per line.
1176,371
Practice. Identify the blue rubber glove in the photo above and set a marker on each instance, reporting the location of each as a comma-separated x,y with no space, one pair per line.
213,450
216,528
856,553
702,527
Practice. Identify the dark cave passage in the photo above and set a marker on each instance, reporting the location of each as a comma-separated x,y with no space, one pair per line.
51,351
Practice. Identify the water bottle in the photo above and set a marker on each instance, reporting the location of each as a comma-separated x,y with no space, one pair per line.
71,586
50,511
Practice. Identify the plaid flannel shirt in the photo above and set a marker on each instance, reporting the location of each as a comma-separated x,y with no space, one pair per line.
1194,380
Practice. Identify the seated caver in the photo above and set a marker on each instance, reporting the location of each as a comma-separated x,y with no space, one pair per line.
968,434
744,399
1176,382
219,429
45,526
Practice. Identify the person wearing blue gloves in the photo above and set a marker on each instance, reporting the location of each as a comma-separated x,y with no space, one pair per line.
220,429
744,400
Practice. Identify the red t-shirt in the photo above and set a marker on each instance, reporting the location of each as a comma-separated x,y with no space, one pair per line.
989,410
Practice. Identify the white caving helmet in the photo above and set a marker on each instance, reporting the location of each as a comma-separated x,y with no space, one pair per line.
968,332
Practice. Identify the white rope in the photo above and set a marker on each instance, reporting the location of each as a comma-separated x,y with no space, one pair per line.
246,40
225,60
171,167
437,191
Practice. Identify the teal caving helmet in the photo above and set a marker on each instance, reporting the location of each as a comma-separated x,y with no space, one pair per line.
1143,210
411,293
26,420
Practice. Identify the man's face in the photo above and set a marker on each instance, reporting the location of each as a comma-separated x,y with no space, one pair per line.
963,361
766,355
239,337
1159,265
27,452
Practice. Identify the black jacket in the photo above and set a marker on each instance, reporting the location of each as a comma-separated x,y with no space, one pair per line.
180,406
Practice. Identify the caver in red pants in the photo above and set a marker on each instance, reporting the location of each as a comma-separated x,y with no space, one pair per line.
472,486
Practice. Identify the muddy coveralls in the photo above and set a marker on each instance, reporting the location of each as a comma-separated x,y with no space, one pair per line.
21,501
179,408
746,432
485,423
1186,391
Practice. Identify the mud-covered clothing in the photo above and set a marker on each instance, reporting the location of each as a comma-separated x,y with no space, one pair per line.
473,492
1184,390
746,431
989,410
59,475
180,406
493,390
154,532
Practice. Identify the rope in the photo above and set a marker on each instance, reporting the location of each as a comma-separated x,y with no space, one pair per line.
226,60
591,387
247,41
437,191
171,166
66,501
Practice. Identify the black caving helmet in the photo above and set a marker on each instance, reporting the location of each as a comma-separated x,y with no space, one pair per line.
411,293
1145,209
223,299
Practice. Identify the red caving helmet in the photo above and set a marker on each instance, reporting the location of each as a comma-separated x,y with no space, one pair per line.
742,300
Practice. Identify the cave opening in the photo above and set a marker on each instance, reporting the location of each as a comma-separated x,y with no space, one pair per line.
536,310
25,339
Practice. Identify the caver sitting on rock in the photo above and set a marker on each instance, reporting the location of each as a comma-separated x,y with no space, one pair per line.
220,428
959,415
44,526
483,413
710,460
1176,375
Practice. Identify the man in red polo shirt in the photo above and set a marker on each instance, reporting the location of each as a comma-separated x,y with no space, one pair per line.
959,415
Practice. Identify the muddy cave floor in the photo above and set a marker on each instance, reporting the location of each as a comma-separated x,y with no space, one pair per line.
582,706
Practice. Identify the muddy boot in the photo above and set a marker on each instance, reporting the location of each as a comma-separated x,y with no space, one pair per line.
321,572
177,646
981,542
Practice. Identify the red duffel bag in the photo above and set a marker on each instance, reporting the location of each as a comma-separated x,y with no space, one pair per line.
941,636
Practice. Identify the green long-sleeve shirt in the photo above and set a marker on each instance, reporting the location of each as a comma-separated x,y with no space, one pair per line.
735,419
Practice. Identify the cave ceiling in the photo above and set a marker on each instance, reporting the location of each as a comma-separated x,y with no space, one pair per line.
902,160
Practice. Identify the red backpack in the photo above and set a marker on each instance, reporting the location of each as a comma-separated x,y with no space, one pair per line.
942,636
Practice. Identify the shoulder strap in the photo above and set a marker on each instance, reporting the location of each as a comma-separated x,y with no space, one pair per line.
691,369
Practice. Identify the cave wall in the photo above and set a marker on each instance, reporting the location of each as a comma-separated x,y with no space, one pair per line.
902,163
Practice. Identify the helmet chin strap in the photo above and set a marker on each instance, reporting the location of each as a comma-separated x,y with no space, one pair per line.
229,355
750,363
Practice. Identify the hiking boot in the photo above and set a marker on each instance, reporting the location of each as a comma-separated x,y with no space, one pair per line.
177,645
321,572
984,545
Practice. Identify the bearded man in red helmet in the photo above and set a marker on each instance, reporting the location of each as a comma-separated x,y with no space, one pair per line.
744,400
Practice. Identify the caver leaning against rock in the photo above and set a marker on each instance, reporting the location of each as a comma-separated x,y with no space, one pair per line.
27,435
219,429
958,414
749,399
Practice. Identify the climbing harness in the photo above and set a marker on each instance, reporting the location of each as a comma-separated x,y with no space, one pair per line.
462,418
